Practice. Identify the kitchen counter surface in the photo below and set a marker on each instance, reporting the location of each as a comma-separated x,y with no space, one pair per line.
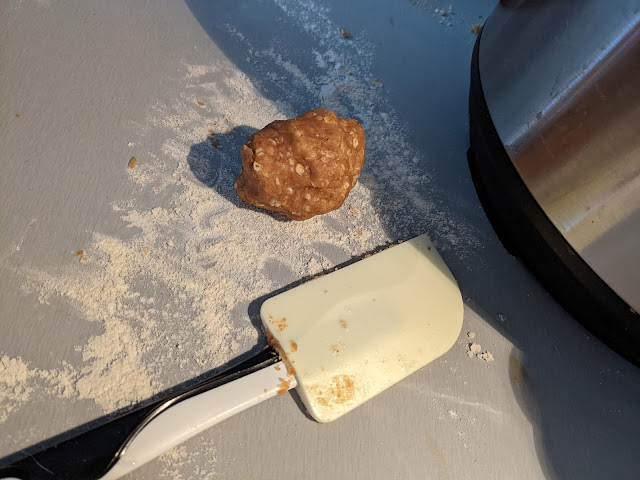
122,280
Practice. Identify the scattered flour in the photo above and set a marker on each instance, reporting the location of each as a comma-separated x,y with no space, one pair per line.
14,385
19,383
194,460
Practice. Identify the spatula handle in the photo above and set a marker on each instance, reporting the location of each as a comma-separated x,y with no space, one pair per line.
127,442
177,423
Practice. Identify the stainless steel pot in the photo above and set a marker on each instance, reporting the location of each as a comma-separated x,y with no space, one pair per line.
555,94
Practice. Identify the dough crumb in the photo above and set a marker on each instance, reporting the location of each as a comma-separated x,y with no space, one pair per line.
133,162
471,335
473,349
486,356
476,28
304,166
502,317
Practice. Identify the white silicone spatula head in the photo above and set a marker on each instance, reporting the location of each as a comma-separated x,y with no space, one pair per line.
353,333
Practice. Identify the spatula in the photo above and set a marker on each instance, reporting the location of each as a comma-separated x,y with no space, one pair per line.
339,339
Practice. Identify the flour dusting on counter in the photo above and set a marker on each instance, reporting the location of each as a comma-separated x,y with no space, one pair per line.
19,383
195,459
14,385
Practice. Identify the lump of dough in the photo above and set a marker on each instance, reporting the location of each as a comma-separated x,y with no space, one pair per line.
302,167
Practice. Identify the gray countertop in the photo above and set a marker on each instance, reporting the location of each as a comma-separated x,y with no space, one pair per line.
172,262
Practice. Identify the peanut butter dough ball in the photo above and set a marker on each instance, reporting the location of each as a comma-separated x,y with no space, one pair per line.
302,167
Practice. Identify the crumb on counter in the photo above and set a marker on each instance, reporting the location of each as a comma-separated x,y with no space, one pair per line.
473,348
486,356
